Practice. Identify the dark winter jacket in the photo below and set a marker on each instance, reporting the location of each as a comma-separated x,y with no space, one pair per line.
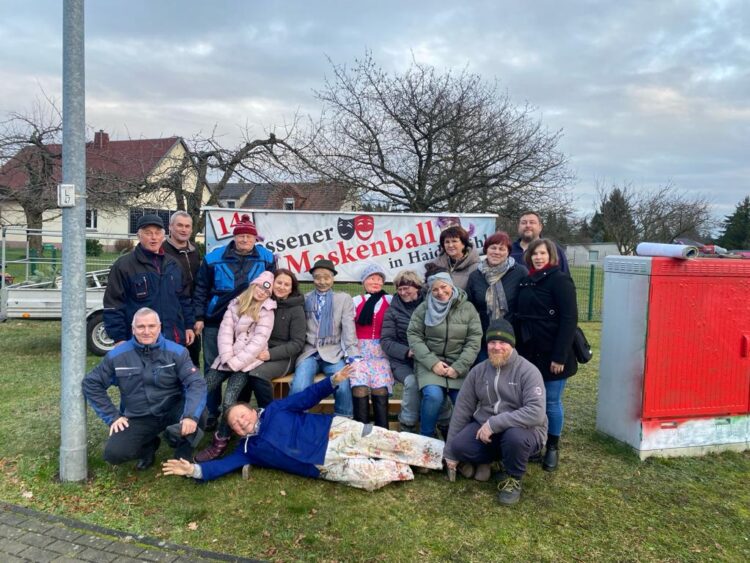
287,338
152,380
517,253
477,292
455,341
288,439
223,275
512,396
189,259
134,281
546,321
393,339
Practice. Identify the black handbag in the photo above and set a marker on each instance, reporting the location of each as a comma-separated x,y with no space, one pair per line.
581,347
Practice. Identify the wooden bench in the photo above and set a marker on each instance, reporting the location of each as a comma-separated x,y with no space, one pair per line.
281,389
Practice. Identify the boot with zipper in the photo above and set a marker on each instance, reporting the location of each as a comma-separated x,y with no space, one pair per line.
218,446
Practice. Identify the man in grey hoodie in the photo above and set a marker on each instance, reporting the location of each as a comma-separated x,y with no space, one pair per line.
499,414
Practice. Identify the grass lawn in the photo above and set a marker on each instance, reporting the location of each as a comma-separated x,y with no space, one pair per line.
602,503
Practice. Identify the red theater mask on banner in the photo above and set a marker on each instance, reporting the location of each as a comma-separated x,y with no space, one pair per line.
364,226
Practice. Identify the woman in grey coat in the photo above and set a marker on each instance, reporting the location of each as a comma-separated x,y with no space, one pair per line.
457,255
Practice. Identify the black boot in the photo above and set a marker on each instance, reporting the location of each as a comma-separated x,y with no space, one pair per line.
361,409
380,410
552,454
148,455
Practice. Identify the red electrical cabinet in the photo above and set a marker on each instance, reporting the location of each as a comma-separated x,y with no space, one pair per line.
675,359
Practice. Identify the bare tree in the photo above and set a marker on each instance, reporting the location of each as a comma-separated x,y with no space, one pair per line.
662,214
31,168
209,166
429,141
30,162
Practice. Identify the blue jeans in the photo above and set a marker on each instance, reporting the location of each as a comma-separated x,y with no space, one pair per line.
410,401
432,399
555,411
210,353
304,375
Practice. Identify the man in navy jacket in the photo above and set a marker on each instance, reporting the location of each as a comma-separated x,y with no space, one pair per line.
160,389
283,436
147,277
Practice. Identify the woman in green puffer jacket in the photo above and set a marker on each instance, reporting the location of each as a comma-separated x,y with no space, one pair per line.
445,334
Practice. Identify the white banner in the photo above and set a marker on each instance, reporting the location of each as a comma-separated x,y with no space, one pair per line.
396,241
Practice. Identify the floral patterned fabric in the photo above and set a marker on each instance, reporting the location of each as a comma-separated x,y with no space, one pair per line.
381,456
374,370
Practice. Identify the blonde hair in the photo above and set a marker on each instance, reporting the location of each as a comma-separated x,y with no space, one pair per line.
407,276
247,304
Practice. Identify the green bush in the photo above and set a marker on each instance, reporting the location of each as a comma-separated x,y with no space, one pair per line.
93,247
123,245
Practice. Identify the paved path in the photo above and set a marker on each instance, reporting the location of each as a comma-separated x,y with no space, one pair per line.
28,535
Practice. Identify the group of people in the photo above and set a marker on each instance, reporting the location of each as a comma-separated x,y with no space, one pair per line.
482,348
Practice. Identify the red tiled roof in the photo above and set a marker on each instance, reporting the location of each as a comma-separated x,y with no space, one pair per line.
127,160
308,196
311,196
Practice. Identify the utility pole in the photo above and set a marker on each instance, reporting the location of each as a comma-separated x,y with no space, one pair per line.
72,198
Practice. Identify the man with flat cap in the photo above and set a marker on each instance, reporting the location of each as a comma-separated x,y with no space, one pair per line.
331,336
500,413
147,277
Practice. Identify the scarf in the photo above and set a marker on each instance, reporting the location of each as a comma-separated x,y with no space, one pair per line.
368,310
497,302
321,306
410,306
533,270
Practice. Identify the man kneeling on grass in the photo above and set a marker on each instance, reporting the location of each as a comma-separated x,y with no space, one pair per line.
160,390
283,436
499,413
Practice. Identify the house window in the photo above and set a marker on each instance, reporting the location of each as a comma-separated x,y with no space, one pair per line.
231,203
91,219
593,255
288,204
138,212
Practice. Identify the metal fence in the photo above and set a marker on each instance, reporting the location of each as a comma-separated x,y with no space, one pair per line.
589,281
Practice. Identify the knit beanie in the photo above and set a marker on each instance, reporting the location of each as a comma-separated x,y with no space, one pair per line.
440,276
245,227
371,269
265,280
502,330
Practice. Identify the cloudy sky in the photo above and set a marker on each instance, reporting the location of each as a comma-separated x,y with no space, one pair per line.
646,92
